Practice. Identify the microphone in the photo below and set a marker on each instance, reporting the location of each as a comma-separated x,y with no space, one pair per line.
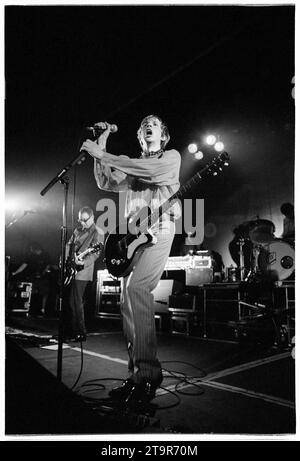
102,126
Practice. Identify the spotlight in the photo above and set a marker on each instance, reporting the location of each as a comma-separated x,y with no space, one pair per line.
219,146
12,205
198,155
192,148
210,140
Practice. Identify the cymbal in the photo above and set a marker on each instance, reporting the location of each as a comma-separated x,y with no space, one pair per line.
261,237
262,231
261,222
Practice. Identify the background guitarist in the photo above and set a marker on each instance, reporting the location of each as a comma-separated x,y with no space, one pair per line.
149,180
82,238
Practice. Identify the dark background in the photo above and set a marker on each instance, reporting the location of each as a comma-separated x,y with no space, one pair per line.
220,69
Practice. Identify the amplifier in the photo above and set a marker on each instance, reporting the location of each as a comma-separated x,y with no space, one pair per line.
189,261
108,294
19,297
184,301
162,292
178,262
202,261
199,276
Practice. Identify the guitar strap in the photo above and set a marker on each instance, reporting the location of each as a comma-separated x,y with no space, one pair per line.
87,242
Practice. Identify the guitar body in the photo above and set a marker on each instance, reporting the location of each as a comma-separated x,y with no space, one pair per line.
121,255
72,268
122,251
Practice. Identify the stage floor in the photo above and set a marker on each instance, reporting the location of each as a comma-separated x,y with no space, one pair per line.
210,386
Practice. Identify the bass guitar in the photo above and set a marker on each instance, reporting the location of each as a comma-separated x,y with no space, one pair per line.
72,268
122,251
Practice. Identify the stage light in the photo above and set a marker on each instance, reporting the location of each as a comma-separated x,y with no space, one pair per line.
12,205
210,140
219,146
198,155
192,148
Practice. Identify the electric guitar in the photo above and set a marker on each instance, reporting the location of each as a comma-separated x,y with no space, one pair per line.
72,268
122,251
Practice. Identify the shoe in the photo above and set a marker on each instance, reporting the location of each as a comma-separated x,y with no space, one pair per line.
141,394
80,337
122,392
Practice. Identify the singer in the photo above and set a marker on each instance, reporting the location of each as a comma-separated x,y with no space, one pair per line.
151,178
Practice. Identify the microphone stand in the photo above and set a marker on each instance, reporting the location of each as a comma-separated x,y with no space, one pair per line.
64,180
242,266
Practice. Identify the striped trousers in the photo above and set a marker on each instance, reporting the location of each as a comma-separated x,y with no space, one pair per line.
137,307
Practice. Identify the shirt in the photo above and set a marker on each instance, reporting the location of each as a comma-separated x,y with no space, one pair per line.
81,240
149,181
36,264
288,228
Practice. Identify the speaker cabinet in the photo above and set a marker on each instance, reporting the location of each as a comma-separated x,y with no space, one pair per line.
163,291
108,294
183,301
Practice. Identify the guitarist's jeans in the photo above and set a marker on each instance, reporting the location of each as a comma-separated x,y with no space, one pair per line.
76,293
137,307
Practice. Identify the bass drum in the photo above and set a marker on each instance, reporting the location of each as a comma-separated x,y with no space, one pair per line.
276,260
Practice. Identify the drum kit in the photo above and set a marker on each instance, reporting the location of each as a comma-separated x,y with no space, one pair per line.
270,257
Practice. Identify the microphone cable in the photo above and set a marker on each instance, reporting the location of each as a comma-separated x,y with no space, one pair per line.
81,367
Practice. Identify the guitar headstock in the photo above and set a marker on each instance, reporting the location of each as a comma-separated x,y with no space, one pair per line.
96,247
217,164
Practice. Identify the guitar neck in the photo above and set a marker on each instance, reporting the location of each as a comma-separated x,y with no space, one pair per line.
84,253
196,179
91,250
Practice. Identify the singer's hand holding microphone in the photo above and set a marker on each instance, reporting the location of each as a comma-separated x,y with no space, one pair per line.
103,126
93,149
96,149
